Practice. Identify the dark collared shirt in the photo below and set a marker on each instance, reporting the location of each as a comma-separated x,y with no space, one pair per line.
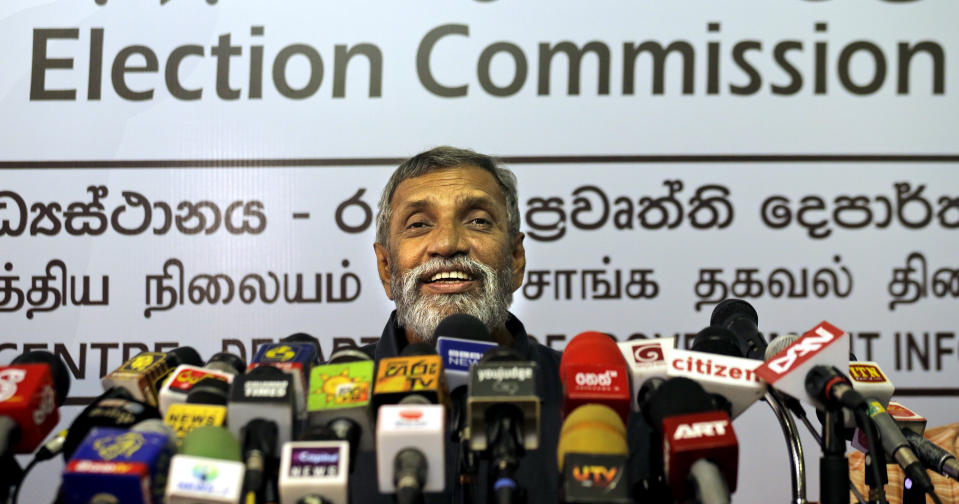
537,472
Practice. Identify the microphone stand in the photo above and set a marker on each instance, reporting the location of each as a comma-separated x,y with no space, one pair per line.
797,464
833,466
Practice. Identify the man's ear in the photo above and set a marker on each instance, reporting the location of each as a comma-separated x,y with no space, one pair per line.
383,267
519,260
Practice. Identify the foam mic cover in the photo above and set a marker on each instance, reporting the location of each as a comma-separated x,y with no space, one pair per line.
61,376
263,392
127,466
302,337
343,392
417,370
317,468
595,372
29,399
207,469
113,408
718,341
824,345
592,456
461,340
594,339
595,421
740,318
211,442
226,362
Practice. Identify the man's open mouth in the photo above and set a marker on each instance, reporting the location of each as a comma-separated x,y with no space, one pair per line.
449,277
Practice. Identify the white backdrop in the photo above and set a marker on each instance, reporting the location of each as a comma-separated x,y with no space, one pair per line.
807,173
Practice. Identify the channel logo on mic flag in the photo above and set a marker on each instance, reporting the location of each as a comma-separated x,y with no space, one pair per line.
335,386
406,374
866,373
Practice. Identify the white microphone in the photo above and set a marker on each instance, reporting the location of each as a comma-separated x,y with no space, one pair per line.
410,453
646,359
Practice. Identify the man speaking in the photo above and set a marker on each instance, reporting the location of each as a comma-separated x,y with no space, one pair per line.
447,242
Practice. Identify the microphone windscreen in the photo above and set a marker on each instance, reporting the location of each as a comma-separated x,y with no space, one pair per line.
729,308
417,349
185,355
211,442
676,396
589,345
227,362
61,377
302,337
462,325
347,355
594,438
500,354
777,345
717,340
593,413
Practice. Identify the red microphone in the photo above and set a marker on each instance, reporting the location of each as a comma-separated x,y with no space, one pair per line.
31,388
593,371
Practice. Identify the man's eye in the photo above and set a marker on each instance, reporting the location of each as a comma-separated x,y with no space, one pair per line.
480,221
416,225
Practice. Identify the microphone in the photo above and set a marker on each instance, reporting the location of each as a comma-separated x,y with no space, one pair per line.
699,444
740,318
222,366
263,392
410,453
503,412
932,456
144,373
205,405
119,465
724,372
646,359
461,341
417,370
587,339
31,388
594,372
207,470
260,457
593,455
114,408
895,444
340,399
294,358
314,470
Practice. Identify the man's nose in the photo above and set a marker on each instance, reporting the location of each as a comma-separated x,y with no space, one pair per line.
449,239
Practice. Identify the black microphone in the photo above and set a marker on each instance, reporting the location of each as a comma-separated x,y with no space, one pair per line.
741,319
504,416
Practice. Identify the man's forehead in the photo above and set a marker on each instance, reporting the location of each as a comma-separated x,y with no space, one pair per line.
463,184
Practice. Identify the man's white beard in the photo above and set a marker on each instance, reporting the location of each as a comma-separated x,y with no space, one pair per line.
421,313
